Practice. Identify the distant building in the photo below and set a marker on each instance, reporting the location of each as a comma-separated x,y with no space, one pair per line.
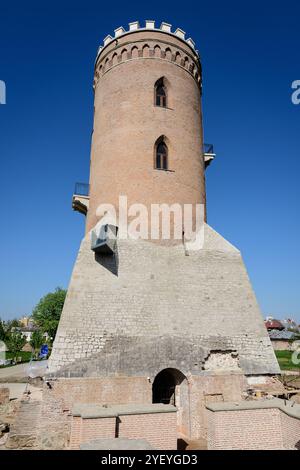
27,322
290,324
273,324
27,331
281,339
24,321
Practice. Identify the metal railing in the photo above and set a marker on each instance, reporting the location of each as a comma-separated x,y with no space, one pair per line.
208,148
82,189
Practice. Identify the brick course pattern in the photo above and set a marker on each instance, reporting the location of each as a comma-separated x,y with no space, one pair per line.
191,398
65,392
209,389
54,427
255,429
158,429
290,431
127,123
85,430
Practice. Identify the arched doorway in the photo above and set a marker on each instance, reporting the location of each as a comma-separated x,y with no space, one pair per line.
170,387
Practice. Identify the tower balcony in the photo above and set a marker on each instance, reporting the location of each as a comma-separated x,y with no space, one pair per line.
81,198
208,153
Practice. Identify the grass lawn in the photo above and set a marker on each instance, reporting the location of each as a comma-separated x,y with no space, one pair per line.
285,361
25,355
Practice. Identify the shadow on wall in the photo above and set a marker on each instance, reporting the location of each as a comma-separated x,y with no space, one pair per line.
109,262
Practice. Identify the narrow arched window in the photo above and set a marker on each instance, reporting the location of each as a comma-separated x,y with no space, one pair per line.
160,93
161,155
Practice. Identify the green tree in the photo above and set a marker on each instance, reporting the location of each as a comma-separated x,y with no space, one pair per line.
10,325
2,331
37,340
14,323
47,312
15,342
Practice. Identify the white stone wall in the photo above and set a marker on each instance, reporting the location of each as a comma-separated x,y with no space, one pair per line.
151,296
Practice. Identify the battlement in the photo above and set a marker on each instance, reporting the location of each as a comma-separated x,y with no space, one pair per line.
149,25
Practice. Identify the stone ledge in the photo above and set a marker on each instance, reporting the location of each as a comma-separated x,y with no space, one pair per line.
286,407
118,443
89,411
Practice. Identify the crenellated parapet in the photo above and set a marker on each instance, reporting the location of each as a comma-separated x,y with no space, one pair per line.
148,42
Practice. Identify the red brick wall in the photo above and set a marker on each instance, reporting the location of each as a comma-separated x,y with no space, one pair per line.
123,133
75,438
290,431
125,390
109,390
84,430
209,389
55,425
254,429
159,429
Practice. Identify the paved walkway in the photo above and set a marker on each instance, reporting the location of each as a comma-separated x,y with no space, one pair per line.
16,390
18,371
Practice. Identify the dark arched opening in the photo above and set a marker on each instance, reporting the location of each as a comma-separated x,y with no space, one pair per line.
161,154
160,93
164,386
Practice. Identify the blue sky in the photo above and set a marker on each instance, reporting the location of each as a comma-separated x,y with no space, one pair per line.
250,57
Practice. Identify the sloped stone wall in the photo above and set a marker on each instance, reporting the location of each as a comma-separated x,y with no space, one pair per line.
154,306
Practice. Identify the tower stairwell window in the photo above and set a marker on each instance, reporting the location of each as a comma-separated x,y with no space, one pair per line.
160,93
161,155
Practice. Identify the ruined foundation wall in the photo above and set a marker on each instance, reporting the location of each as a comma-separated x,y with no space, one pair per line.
191,398
263,426
212,389
104,390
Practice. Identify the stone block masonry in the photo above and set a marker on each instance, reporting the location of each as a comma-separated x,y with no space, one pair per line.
156,307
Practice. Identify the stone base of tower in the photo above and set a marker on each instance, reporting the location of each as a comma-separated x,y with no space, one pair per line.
149,307
159,323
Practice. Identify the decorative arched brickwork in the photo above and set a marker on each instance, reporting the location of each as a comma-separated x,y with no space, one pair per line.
134,52
124,55
157,51
168,54
149,49
178,57
114,59
146,51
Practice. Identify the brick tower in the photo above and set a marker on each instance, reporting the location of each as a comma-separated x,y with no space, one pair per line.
147,321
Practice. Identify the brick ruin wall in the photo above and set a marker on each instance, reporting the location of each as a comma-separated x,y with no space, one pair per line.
158,429
254,429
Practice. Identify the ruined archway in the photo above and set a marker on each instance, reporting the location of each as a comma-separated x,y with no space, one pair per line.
170,387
